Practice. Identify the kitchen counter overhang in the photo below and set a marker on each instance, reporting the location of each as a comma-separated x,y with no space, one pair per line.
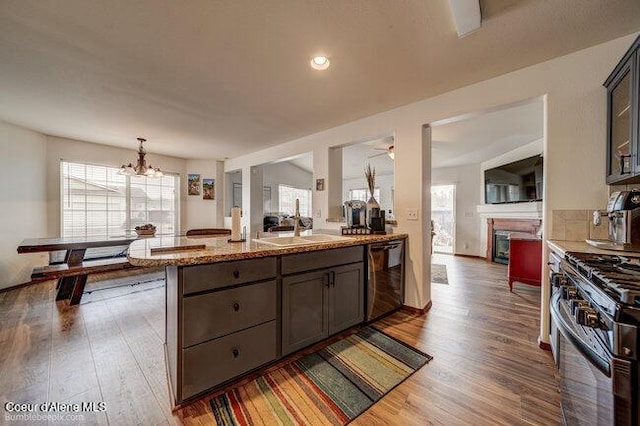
185,251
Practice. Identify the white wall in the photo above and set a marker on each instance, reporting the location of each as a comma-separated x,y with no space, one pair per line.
229,179
286,174
80,151
469,181
468,196
575,133
202,213
35,212
384,182
22,201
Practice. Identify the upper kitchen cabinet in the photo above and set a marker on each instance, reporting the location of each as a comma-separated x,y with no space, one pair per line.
623,98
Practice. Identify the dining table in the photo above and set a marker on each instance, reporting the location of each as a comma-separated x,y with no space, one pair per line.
73,271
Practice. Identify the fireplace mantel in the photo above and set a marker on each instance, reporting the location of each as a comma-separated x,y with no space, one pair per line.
530,226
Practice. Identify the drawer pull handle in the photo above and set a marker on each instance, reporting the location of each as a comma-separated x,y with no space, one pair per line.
235,353
236,306
236,274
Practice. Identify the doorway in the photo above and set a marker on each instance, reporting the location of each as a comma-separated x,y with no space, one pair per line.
443,218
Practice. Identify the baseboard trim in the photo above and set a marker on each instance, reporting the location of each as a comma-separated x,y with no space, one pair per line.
18,286
472,256
417,311
544,345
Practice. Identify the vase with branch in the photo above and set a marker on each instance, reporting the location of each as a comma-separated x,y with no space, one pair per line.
373,208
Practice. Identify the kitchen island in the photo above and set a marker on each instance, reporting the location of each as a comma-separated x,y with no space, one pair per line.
234,307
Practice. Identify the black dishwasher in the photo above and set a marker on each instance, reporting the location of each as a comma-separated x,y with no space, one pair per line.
385,287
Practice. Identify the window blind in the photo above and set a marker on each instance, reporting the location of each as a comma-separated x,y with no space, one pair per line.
287,200
362,194
97,201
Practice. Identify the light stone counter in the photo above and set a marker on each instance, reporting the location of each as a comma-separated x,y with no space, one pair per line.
218,249
561,247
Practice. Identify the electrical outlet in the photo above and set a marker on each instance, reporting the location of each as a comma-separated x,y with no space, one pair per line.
318,213
412,214
465,245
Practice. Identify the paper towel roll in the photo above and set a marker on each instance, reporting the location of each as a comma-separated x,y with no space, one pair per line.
235,224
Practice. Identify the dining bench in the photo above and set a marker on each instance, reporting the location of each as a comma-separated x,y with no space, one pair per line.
73,278
73,271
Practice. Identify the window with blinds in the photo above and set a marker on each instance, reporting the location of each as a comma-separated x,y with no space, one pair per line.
97,201
362,194
287,200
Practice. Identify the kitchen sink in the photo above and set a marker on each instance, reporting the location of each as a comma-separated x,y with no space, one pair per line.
288,241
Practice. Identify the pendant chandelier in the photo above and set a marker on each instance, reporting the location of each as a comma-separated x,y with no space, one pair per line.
141,168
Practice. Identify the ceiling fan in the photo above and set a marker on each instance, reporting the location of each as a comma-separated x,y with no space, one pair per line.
388,151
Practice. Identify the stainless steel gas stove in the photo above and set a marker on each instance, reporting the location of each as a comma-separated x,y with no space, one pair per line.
595,309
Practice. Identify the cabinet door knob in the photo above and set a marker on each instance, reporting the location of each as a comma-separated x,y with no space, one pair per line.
235,353
236,306
236,274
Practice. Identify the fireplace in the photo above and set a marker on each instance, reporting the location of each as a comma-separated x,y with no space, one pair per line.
500,247
498,231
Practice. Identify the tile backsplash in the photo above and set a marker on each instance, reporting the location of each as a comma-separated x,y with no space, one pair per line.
576,225
614,188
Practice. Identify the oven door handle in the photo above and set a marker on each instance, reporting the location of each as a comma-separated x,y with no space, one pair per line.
602,364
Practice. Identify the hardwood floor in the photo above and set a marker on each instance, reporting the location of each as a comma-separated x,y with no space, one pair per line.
487,368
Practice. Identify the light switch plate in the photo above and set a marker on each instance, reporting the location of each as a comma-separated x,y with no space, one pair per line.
412,214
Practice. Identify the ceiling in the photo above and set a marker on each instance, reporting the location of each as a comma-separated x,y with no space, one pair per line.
356,157
215,79
459,141
483,136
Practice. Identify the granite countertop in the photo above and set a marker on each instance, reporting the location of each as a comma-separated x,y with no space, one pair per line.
561,247
218,249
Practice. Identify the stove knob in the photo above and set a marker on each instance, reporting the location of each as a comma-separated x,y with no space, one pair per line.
591,319
575,304
586,316
558,280
569,292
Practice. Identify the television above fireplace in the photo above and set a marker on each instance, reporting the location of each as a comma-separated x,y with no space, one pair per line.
516,182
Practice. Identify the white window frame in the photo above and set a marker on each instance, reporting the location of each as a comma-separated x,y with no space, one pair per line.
309,207
128,225
367,194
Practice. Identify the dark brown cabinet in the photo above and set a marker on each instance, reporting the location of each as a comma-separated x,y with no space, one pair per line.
304,310
318,304
623,118
221,322
228,318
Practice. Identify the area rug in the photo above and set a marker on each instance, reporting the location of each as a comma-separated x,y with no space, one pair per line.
329,387
439,274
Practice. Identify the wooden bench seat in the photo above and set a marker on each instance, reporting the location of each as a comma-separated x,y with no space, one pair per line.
72,279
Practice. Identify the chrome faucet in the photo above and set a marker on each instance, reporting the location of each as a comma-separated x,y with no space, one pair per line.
296,218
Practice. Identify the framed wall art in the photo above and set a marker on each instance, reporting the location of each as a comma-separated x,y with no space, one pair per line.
208,189
194,184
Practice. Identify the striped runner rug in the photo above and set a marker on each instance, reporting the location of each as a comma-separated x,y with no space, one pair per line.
331,386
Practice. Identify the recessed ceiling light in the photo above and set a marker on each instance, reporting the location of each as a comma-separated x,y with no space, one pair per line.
320,63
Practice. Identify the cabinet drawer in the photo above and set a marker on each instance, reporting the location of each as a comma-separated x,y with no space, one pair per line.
211,315
217,275
211,363
302,262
